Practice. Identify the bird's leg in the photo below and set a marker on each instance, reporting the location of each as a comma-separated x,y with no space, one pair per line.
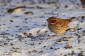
61,34
52,34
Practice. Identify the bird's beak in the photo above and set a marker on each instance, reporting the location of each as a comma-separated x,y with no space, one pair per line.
47,19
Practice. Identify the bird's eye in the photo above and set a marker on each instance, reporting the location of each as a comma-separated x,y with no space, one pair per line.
53,21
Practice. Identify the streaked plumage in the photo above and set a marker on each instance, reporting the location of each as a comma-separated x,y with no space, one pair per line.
58,25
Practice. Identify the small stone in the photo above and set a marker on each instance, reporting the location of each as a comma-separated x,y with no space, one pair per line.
15,10
17,26
32,51
3,33
28,13
18,54
12,35
83,31
66,6
24,33
51,47
48,38
68,46
72,29
7,44
79,28
44,46
80,54
72,53
31,44
41,52
11,20
70,36
4,24
83,17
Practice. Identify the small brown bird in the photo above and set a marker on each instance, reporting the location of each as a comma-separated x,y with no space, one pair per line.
58,25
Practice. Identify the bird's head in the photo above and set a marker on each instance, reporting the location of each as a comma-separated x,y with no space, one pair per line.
51,20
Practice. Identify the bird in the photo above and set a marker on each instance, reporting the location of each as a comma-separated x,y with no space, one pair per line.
58,25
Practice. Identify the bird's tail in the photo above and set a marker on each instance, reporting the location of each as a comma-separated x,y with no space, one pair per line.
72,18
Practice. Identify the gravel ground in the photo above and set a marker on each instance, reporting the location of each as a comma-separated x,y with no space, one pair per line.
24,31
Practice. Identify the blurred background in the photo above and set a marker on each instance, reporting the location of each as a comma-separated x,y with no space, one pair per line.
57,3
